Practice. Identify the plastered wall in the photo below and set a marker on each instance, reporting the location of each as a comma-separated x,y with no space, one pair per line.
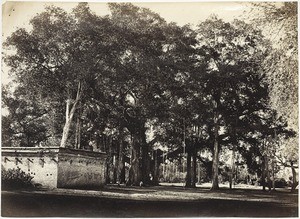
41,165
58,167
78,169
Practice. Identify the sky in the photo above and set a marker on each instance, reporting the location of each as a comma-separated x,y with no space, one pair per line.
18,14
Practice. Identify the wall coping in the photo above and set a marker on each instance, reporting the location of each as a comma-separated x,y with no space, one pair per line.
81,152
5,151
28,148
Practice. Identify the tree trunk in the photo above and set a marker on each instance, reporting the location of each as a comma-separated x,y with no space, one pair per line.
199,172
264,165
156,168
109,161
115,168
215,165
164,171
273,175
268,173
176,170
135,175
78,127
294,183
167,172
120,160
145,165
232,168
188,170
69,116
66,126
123,172
76,146
263,173
140,160
235,145
194,172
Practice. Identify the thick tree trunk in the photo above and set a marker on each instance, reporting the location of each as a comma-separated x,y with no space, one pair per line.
135,176
123,172
107,181
156,168
194,172
188,170
140,159
268,173
145,160
69,116
215,165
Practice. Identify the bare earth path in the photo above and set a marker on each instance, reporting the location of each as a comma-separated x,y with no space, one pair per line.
158,201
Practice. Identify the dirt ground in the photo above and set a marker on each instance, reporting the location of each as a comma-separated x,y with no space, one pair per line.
166,200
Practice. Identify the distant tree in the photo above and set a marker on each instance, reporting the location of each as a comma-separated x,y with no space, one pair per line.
25,124
262,146
288,157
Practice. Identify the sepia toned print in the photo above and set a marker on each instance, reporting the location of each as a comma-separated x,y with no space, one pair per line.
161,109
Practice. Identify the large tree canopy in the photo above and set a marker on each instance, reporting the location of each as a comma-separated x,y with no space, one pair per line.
129,73
233,79
58,64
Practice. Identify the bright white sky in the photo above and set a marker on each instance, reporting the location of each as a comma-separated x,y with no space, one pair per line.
17,14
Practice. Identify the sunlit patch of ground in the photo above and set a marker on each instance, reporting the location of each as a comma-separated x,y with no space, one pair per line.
221,185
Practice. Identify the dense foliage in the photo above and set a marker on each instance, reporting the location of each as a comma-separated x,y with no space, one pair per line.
12,179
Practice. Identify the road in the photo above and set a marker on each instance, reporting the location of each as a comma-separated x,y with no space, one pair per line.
47,204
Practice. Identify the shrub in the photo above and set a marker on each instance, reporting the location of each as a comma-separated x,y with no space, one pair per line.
280,183
15,179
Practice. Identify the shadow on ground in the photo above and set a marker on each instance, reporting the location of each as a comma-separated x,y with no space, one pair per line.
160,201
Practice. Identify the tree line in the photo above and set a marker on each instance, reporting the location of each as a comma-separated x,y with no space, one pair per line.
130,83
